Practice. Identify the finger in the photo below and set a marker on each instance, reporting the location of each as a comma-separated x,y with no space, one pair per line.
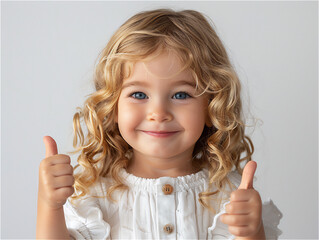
235,220
60,159
61,170
63,181
248,175
242,195
238,208
63,193
239,231
50,146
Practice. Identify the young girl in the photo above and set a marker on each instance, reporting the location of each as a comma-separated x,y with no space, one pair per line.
163,151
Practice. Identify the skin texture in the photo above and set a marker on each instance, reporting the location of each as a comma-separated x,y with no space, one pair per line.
55,186
160,104
244,212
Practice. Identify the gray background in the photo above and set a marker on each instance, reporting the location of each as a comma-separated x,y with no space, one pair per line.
49,50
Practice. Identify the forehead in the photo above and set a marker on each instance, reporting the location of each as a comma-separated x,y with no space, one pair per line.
166,65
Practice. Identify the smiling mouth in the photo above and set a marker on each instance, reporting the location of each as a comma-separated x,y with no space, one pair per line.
160,134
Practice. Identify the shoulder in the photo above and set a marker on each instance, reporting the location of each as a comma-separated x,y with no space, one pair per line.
95,200
85,216
95,192
235,177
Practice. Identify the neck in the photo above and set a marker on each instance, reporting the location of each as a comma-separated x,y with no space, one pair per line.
152,167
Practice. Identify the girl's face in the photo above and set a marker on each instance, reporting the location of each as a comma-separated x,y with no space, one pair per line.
158,115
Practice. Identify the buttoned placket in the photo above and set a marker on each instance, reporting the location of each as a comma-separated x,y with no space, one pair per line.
166,207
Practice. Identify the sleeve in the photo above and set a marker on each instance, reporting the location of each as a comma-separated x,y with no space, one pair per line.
85,220
271,216
219,230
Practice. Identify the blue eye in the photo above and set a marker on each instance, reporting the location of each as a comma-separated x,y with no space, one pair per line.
141,95
181,95
138,95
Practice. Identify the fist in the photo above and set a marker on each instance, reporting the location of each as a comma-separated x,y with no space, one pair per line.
55,176
244,212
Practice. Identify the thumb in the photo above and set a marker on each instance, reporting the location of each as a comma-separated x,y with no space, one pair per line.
50,146
248,175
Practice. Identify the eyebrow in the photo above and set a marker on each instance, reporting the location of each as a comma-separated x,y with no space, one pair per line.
142,83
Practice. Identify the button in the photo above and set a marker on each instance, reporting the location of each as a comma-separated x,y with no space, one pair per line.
167,189
168,228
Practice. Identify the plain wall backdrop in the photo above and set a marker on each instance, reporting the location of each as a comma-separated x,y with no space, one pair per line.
49,50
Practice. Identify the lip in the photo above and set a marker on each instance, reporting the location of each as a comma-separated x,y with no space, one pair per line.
160,134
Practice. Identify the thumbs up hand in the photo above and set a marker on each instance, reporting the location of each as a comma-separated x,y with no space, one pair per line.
244,212
55,176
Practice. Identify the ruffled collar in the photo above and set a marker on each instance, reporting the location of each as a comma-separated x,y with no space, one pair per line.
181,183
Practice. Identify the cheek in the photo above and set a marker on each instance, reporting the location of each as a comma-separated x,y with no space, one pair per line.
129,116
193,119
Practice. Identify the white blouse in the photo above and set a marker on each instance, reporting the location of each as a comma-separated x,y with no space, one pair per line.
162,208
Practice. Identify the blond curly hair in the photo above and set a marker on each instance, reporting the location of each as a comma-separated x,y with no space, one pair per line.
103,150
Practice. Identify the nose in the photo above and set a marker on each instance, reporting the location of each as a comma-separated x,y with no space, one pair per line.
159,112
